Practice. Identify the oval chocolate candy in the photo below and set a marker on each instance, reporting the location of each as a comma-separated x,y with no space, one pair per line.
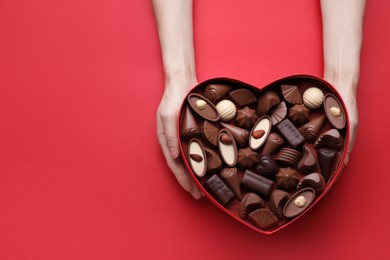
203,107
334,111
197,157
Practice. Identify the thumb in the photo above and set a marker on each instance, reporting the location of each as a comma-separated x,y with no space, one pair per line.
169,124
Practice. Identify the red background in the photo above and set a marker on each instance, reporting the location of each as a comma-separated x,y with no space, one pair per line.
81,172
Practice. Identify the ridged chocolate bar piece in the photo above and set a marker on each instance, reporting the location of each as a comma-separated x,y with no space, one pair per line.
290,133
219,189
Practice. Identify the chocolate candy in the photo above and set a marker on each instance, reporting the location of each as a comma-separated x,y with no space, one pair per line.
313,180
197,157
291,94
247,159
249,203
242,97
263,125
230,177
210,133
226,110
263,218
215,91
326,159
308,163
313,97
311,129
278,113
256,183
266,101
273,143
219,190
299,115
246,118
290,133
288,157
331,138
214,161
299,202
203,107
189,126
227,147
277,200
286,179
240,135
266,166
334,111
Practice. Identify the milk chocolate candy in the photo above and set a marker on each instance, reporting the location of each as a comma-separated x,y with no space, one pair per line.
308,163
334,111
290,133
313,180
230,177
210,133
256,183
288,157
266,101
326,159
203,107
273,143
298,202
240,135
311,129
299,115
250,202
197,157
246,118
215,91
291,94
286,179
247,159
267,166
219,190
277,200
214,161
189,126
331,139
242,97
263,218
264,125
227,147
278,113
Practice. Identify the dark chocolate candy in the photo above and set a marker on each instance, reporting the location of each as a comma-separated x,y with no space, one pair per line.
334,111
219,189
240,135
298,202
266,101
246,118
286,179
203,107
311,129
326,159
299,115
249,203
288,157
247,159
189,126
278,113
215,91
263,218
308,163
242,97
210,133
290,133
331,138
313,180
214,161
230,177
267,166
291,94
277,200
273,143
256,183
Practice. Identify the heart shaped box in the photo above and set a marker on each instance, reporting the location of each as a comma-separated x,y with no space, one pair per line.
196,138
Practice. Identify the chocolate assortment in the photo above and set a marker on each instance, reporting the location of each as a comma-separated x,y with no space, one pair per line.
264,156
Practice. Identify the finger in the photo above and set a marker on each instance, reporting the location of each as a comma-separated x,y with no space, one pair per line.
196,192
169,122
175,165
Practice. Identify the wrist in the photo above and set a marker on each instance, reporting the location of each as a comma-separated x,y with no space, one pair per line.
345,80
180,79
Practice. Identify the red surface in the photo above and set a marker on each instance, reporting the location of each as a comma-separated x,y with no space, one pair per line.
81,172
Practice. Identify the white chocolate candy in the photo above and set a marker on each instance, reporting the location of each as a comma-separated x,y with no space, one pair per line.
228,150
226,109
197,166
313,97
264,123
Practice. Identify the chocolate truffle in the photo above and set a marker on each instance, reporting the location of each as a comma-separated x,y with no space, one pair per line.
326,159
246,118
260,132
273,143
226,110
240,135
278,113
203,107
242,97
334,111
311,129
267,166
227,147
263,218
249,203
299,115
291,94
307,164
331,139
230,177
215,91
247,159
299,202
218,189
313,97
286,179
256,183
189,126
266,101
277,200
313,180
